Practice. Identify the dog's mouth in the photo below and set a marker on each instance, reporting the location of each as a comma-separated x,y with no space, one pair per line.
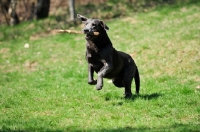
89,35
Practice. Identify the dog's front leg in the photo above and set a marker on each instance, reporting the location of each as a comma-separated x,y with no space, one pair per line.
91,80
106,69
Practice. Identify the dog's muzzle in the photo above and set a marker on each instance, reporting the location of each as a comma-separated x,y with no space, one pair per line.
89,33
86,31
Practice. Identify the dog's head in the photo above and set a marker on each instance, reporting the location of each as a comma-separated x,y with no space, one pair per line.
91,26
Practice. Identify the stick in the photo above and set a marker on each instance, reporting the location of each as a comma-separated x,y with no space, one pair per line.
69,31
74,32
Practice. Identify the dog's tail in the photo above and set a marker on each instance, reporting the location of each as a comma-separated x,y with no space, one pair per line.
137,81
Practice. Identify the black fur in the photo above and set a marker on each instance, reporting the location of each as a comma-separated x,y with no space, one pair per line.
107,62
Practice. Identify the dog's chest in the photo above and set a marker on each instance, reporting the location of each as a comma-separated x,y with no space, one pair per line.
92,55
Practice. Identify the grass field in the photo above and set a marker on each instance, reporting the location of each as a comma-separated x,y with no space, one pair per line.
43,80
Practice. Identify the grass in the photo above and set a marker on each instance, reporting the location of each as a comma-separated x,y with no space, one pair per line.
44,87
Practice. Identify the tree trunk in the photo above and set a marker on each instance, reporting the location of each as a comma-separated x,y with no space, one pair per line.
14,19
72,9
4,9
42,9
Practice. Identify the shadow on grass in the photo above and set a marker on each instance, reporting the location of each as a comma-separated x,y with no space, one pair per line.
146,96
175,127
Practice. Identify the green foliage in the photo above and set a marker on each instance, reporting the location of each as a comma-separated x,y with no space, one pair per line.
43,82
118,8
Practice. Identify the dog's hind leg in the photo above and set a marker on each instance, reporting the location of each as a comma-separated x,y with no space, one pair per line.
127,80
127,85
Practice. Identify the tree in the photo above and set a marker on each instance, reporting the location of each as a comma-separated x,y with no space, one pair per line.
42,9
14,19
72,9
4,9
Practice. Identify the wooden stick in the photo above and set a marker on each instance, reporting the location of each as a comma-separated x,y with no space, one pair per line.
96,33
69,31
73,32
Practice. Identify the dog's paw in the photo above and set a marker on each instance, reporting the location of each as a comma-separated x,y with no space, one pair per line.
92,82
99,87
128,95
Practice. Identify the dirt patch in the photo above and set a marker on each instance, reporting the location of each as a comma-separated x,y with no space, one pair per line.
4,50
42,34
30,65
130,19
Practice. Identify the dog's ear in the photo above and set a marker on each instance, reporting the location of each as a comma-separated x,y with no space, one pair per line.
83,19
104,25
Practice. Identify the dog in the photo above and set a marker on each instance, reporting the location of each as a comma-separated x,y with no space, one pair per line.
105,60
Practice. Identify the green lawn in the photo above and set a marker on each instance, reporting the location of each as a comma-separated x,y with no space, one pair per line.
43,80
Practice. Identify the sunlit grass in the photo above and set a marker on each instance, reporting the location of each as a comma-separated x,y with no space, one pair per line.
44,87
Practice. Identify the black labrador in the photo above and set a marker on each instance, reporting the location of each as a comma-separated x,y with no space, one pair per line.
105,60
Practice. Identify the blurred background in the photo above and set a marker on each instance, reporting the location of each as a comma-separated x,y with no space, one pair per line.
13,12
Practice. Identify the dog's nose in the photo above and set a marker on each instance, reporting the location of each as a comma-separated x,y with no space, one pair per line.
86,30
